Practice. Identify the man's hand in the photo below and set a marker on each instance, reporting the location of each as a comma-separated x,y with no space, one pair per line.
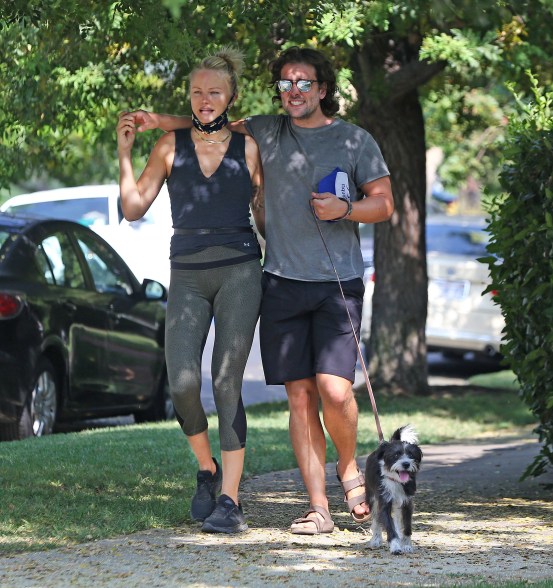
142,120
327,206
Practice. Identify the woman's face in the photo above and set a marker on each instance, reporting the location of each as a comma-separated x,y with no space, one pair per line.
210,93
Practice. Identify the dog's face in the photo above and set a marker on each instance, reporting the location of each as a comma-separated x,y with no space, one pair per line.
399,460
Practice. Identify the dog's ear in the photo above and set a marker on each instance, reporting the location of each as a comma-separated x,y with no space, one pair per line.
381,449
397,435
407,434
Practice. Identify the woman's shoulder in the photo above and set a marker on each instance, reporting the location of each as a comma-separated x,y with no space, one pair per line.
168,137
166,142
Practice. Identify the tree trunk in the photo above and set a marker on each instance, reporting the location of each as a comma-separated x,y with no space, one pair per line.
398,343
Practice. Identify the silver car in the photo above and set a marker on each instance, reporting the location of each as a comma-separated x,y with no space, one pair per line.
461,318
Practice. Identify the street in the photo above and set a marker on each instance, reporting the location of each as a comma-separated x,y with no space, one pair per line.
442,372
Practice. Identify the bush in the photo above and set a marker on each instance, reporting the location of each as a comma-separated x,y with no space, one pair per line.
521,230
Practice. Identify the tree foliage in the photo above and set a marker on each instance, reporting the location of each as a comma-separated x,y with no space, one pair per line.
522,230
68,68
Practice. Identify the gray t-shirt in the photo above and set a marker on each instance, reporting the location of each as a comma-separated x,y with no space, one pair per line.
294,160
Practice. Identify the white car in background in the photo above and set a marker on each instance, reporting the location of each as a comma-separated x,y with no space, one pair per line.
143,244
461,318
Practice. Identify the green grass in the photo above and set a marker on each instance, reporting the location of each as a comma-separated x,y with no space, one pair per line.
69,488
503,380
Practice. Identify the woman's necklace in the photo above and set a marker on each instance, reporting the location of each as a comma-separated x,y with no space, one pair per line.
212,141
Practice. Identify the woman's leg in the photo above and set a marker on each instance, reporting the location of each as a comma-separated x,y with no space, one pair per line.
236,310
233,464
188,319
189,313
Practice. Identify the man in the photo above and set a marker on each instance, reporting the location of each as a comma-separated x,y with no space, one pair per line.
306,338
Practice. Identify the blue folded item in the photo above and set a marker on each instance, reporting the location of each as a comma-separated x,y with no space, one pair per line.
336,183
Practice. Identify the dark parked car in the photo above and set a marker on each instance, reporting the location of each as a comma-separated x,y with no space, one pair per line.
80,337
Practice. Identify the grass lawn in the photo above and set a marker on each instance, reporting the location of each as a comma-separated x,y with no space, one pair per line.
69,488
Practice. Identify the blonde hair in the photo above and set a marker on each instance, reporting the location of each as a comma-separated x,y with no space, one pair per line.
227,60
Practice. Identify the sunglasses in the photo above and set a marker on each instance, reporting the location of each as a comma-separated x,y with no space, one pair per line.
301,85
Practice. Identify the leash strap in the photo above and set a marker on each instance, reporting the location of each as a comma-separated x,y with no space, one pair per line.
359,353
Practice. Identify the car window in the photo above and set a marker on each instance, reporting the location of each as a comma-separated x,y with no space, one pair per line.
4,235
470,241
87,211
27,259
66,269
108,272
45,270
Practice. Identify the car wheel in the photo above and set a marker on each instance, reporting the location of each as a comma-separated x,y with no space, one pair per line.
169,407
39,413
43,405
162,409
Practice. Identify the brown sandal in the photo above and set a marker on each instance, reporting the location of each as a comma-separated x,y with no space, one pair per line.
324,526
355,500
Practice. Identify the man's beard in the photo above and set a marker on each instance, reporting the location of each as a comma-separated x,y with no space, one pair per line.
307,114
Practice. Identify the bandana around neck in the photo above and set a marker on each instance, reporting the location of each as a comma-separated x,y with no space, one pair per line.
215,125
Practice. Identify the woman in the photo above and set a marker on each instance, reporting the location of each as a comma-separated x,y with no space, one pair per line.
213,176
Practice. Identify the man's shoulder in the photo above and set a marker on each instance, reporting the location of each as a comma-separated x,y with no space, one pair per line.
264,119
350,127
262,126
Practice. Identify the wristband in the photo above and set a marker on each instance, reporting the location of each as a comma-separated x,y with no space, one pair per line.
348,211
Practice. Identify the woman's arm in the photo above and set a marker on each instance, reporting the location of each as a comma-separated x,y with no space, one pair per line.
137,197
257,203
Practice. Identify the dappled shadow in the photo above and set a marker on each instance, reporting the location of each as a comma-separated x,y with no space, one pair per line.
474,522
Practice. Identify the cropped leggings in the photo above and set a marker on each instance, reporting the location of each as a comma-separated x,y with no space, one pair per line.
230,295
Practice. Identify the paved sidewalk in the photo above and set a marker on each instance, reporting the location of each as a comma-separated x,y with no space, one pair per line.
474,522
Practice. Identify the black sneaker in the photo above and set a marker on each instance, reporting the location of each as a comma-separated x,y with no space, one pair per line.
226,518
207,486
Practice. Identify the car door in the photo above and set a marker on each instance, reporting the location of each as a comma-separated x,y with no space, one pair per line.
77,318
135,351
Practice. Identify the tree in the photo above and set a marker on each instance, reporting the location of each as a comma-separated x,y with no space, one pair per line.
134,53
446,47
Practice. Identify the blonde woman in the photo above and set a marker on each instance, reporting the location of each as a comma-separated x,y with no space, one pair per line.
214,179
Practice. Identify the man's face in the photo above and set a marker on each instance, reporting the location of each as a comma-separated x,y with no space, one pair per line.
302,106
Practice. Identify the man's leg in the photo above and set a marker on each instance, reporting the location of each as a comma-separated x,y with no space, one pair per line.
340,416
308,441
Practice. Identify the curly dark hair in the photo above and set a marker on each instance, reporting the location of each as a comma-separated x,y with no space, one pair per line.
323,67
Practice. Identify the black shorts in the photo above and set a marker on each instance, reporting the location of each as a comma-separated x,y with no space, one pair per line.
305,329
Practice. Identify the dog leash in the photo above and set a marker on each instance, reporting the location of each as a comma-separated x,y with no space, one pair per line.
359,353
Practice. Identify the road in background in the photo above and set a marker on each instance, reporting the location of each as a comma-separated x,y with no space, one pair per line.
442,372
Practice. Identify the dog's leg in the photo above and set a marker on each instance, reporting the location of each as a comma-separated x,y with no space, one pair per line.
387,521
407,516
397,517
376,528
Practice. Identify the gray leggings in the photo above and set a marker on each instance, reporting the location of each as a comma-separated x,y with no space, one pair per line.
231,295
